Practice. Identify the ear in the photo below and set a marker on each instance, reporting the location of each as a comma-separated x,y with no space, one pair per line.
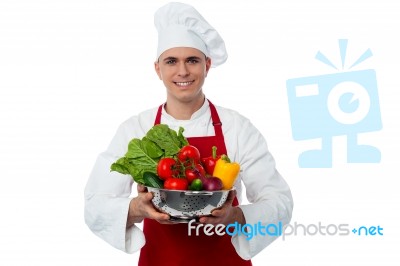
208,65
157,69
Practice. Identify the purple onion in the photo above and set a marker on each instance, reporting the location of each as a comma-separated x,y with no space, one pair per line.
210,183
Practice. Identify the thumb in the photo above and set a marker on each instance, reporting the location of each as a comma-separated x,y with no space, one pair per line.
148,196
141,188
231,197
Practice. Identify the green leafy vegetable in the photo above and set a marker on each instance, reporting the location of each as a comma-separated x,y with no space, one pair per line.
143,148
167,139
144,154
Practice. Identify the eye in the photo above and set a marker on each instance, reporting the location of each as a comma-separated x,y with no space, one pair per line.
170,62
192,61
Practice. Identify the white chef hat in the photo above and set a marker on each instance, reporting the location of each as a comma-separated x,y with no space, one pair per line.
180,25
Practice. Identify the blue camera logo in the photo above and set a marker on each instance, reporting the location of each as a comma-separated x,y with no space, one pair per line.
344,103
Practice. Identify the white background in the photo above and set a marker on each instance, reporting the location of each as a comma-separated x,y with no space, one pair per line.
72,71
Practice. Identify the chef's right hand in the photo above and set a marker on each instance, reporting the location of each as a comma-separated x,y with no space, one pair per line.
141,207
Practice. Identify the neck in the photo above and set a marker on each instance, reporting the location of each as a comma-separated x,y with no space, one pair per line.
183,110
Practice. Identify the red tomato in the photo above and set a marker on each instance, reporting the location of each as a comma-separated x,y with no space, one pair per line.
189,153
167,168
194,173
200,168
176,183
190,175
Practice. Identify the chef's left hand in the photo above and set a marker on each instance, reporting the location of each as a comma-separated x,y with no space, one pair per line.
226,214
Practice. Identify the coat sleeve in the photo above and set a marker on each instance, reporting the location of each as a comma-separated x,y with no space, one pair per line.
268,193
107,198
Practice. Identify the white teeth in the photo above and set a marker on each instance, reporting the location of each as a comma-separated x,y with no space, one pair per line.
183,83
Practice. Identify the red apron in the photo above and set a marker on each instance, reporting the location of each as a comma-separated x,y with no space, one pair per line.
171,245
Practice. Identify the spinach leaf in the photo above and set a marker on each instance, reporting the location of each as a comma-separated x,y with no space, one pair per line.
144,154
167,139
181,138
143,148
120,166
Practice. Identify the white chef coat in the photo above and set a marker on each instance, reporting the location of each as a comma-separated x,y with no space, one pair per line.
107,194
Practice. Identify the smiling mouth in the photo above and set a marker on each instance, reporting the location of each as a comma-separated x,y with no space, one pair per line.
184,84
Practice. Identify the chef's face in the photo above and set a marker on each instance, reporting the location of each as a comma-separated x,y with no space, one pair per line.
183,71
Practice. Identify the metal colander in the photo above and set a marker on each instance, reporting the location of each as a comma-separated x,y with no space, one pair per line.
186,204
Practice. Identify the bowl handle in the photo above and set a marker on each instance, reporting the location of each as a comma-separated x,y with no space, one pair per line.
201,193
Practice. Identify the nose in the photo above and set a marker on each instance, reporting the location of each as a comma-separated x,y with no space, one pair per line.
183,70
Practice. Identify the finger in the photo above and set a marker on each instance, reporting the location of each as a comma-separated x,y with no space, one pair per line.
165,222
231,196
210,220
141,188
148,196
159,216
203,220
229,200
217,212
153,213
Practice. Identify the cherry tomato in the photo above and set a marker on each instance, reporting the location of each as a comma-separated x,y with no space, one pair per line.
201,169
167,168
192,173
189,153
176,183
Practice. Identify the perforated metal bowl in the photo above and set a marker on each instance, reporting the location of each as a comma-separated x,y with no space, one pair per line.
186,204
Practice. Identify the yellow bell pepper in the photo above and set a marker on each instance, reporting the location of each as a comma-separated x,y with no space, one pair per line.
226,171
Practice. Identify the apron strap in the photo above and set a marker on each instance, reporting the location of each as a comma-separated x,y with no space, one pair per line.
216,121
158,116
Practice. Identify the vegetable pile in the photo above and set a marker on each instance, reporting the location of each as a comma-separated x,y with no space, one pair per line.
163,158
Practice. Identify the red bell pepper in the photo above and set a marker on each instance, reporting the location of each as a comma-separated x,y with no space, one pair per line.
210,162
